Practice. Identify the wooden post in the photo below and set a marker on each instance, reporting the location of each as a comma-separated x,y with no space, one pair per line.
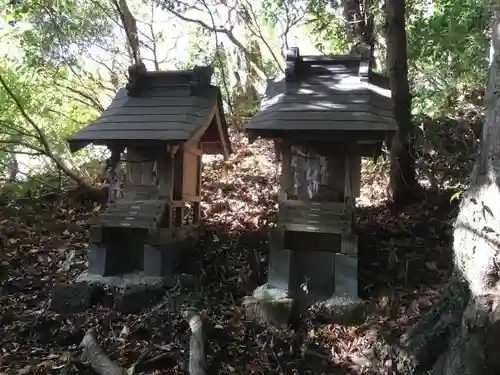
197,206
286,177
178,174
166,180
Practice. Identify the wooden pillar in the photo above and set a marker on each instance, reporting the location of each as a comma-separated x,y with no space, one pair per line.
346,262
286,182
178,161
166,176
197,206
355,174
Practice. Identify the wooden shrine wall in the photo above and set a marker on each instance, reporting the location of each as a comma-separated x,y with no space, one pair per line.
191,178
139,167
311,176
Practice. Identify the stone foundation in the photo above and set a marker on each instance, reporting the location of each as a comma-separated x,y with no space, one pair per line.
302,279
124,281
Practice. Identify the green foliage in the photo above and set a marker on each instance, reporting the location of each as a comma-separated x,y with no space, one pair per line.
57,32
48,103
328,32
447,52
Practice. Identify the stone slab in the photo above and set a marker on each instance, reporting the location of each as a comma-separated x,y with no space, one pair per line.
72,298
137,298
126,280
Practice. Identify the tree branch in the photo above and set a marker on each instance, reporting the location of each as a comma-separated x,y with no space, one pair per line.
93,102
259,68
41,136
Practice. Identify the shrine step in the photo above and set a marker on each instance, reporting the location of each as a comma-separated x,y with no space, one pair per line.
323,217
145,214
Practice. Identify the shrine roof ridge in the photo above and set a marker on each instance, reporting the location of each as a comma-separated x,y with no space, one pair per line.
140,80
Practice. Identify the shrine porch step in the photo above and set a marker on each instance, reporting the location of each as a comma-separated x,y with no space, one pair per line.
146,214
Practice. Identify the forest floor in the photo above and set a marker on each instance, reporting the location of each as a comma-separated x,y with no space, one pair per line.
404,260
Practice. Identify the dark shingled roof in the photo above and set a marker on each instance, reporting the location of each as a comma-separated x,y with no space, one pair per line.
170,106
325,93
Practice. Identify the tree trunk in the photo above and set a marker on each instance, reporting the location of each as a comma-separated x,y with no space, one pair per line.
471,326
360,26
403,185
197,355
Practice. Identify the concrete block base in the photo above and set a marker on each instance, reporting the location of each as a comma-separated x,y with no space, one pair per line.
72,298
132,292
160,261
125,280
340,309
274,306
269,305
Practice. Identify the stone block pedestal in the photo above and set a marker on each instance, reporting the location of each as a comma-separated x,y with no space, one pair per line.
119,251
324,280
125,252
161,261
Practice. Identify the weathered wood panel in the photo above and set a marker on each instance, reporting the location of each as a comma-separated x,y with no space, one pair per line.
166,176
139,170
309,174
297,118
147,102
177,122
105,136
331,206
327,106
172,113
191,173
315,216
324,97
143,214
165,110
194,117
178,174
354,175
340,228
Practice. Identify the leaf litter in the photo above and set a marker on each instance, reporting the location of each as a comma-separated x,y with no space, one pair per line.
404,260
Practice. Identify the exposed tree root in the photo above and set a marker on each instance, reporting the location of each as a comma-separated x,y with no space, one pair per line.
431,335
197,354
425,346
96,357
473,349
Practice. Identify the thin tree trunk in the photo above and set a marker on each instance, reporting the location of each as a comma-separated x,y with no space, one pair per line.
403,185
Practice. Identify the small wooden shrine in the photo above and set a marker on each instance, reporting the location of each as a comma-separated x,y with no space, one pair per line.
324,115
157,129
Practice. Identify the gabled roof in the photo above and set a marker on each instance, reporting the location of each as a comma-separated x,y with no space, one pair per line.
170,106
325,94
